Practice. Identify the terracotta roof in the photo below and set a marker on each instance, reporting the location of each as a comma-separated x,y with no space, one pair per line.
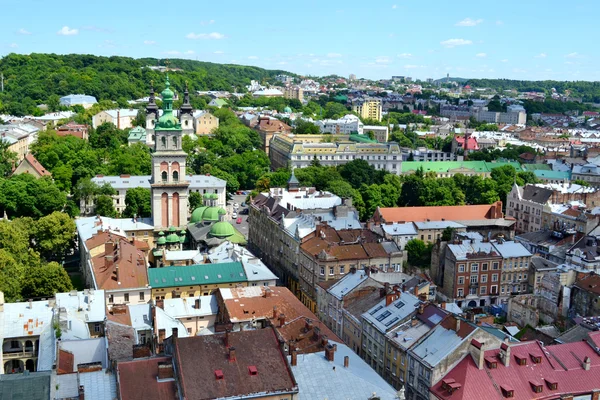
344,244
131,267
138,380
561,364
119,313
464,329
205,370
272,125
435,213
66,362
589,283
251,303
35,164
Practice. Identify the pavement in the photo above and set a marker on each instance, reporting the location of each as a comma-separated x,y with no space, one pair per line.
243,227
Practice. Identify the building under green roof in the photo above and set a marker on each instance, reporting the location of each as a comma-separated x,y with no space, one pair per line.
537,167
441,167
199,274
498,164
553,175
362,138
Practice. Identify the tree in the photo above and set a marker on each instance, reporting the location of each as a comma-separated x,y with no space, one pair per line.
415,249
46,281
581,182
306,128
8,159
138,203
447,234
358,172
11,276
105,207
54,235
53,103
194,200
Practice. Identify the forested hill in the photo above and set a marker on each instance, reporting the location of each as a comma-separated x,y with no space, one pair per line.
588,91
35,77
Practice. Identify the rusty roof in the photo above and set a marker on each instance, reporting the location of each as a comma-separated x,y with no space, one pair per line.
119,313
435,213
589,283
138,380
200,359
131,268
35,164
257,302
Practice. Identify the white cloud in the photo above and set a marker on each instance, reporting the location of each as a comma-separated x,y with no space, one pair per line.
219,52
413,66
572,55
499,22
455,42
481,55
172,52
504,60
13,45
149,42
405,55
382,60
394,6
212,21
334,55
212,35
469,22
66,31
281,63
252,57
541,55
23,32
190,52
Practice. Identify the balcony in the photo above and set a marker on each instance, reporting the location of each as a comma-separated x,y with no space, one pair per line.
476,284
18,354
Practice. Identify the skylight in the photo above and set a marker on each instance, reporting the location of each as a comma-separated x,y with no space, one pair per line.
376,309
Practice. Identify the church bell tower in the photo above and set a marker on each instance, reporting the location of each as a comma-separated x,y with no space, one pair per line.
169,184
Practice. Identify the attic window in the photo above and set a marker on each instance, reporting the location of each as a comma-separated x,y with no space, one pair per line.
552,384
536,358
536,387
219,374
491,362
507,392
521,360
252,370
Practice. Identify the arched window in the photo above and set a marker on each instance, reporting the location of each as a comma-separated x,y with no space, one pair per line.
187,122
175,141
164,176
175,176
163,141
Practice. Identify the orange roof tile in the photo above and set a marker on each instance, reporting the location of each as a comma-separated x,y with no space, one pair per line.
132,267
35,164
439,213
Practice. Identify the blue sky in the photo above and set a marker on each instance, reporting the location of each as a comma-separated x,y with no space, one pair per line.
525,39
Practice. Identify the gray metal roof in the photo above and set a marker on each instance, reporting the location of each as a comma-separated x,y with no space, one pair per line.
384,318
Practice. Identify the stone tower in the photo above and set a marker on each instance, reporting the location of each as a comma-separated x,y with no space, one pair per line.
169,184
185,114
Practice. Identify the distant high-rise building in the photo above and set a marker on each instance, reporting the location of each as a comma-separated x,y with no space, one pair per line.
352,77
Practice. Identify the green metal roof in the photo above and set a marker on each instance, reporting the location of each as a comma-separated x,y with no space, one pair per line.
443,166
554,175
222,229
536,167
498,164
197,214
199,274
361,139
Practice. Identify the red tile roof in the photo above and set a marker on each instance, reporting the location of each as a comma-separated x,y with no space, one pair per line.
199,357
561,364
131,263
436,213
35,164
590,283
138,380
472,142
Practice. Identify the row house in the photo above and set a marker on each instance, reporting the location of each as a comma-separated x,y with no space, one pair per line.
584,254
563,218
526,206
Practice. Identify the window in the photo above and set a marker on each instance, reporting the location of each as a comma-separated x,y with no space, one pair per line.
474,279
483,278
175,141
342,269
111,298
141,296
322,270
330,270
494,289
164,176
474,267
484,266
97,327
461,267
163,140
495,265
14,344
483,290
175,176
473,291
126,297
494,277
461,280
460,293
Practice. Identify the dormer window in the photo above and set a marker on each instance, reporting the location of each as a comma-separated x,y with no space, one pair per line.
521,360
491,362
507,392
219,375
536,358
551,383
536,387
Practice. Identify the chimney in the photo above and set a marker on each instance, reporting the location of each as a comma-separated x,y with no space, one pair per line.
119,119
294,357
324,340
281,320
109,253
389,298
477,352
416,290
267,292
81,393
421,308
308,325
316,333
346,361
456,324
226,338
31,304
197,304
165,370
330,352
505,353
587,363
231,354
274,312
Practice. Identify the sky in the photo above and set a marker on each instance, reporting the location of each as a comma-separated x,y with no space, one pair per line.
514,39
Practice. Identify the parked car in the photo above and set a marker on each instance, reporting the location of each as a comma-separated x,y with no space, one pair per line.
239,220
245,211
236,206
234,215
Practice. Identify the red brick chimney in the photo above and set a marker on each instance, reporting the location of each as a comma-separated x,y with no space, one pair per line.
274,312
308,325
226,338
231,357
165,370
416,290
324,340
346,361
330,352
81,393
281,320
294,358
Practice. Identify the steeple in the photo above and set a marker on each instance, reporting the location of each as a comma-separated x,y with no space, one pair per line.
152,107
168,121
186,107
293,184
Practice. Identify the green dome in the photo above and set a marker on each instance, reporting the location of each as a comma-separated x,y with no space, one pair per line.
197,215
172,229
172,238
287,110
222,229
167,94
161,233
161,240
207,196
212,213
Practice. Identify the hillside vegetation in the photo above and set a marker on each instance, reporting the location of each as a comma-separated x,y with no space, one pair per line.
34,79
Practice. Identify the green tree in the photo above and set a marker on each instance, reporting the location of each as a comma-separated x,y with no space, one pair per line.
46,281
138,203
304,127
415,249
447,234
105,207
194,200
11,276
8,159
53,235
581,182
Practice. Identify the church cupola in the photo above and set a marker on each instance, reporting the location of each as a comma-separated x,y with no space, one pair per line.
152,107
186,107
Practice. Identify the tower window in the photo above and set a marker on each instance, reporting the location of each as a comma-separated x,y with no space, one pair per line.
175,141
164,176
175,176
163,140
